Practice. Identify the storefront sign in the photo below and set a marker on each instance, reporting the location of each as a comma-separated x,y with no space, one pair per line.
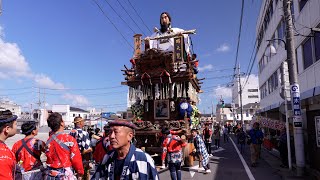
317,126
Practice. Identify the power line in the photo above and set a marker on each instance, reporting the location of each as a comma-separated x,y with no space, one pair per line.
218,70
254,47
248,75
253,50
139,17
95,94
112,23
104,105
83,89
120,16
218,77
239,35
131,18
22,93
13,89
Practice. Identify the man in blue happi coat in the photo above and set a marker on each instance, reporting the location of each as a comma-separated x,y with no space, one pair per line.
201,150
125,161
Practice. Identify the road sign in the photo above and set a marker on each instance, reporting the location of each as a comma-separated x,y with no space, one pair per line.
297,122
295,88
317,126
295,95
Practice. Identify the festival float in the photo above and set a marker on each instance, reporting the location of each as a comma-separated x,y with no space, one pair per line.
159,83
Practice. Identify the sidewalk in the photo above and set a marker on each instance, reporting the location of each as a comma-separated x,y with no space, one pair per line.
273,159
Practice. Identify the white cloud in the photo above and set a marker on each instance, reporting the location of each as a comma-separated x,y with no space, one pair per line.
223,48
14,65
46,82
222,91
76,99
12,62
206,67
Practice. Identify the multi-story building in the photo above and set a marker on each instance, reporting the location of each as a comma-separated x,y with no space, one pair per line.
232,115
250,92
270,26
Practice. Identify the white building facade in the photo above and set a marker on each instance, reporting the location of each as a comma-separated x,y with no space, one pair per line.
271,25
250,92
9,105
68,113
232,115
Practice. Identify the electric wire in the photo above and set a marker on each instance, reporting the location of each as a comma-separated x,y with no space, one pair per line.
95,94
139,16
254,47
218,77
131,18
239,35
82,89
112,23
120,16
249,69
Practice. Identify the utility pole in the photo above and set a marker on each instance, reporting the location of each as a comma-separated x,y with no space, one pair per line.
101,120
287,128
295,91
212,109
241,109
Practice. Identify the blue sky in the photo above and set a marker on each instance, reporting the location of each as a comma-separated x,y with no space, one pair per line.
71,45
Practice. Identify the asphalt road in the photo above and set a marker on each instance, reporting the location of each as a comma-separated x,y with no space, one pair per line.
227,164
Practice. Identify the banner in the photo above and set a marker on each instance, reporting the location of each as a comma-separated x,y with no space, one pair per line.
268,123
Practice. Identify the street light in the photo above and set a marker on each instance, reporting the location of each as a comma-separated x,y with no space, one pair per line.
285,97
294,88
273,50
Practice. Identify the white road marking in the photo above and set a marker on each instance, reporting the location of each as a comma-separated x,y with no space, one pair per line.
194,169
250,175
218,150
192,173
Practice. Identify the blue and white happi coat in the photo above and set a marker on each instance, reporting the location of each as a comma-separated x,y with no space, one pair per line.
202,150
137,165
82,138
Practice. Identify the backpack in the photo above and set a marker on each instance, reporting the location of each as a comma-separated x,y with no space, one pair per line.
101,150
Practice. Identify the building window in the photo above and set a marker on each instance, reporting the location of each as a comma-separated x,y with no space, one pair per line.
263,91
276,79
265,22
252,90
307,54
281,31
253,96
317,45
302,3
273,82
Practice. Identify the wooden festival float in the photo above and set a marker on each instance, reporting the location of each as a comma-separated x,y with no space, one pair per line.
157,81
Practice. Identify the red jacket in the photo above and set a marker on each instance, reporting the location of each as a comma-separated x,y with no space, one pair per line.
7,162
28,161
58,157
172,144
102,148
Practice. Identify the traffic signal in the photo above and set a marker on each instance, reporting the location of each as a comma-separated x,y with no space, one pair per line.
222,103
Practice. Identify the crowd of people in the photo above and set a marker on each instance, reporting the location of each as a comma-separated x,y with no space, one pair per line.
68,155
